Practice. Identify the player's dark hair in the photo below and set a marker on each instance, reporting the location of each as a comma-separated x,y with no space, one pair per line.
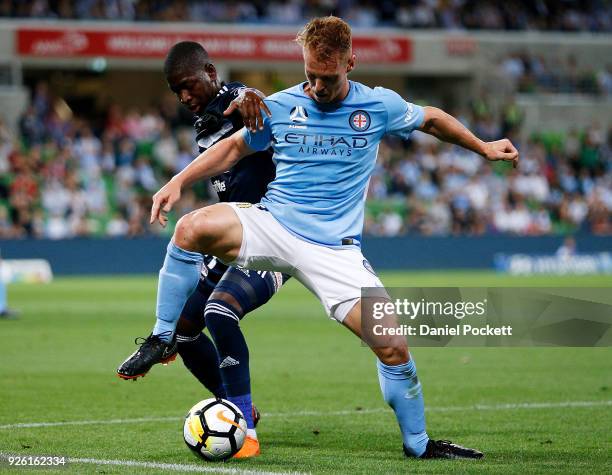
185,57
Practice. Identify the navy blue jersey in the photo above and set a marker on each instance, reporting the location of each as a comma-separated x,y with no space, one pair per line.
248,180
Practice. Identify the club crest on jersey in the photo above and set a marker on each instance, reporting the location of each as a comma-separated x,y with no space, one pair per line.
360,121
298,114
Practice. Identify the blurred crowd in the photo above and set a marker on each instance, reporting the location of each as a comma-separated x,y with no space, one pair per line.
530,73
567,15
60,177
563,184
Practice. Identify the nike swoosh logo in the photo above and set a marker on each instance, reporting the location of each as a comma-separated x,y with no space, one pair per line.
221,417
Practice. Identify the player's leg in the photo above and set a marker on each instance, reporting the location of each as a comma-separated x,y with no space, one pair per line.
337,277
239,292
264,247
214,230
196,349
211,230
398,380
399,383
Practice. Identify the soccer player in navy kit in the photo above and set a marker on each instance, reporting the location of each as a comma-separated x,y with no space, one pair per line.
325,135
223,294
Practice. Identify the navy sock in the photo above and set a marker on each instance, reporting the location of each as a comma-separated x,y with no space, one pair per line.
200,357
245,404
222,320
178,278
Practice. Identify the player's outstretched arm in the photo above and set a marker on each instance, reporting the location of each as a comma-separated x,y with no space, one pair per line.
216,160
445,127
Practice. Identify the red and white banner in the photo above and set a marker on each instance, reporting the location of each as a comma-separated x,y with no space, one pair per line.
79,42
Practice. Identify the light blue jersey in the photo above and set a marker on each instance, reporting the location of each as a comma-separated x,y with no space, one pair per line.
325,154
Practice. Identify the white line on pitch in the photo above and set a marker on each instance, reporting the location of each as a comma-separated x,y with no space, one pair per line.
475,407
174,467
86,422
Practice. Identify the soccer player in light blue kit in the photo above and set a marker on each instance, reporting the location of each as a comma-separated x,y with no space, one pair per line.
325,135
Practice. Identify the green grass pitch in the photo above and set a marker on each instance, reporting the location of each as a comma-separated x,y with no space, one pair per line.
530,410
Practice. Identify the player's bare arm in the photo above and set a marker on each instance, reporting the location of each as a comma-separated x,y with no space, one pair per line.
448,129
220,157
250,103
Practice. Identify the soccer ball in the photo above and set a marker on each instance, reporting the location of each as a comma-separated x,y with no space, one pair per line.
214,429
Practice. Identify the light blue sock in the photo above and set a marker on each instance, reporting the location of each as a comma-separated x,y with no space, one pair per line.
2,295
178,278
402,391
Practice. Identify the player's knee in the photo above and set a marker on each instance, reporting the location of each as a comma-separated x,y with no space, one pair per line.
192,230
394,354
184,233
219,313
227,300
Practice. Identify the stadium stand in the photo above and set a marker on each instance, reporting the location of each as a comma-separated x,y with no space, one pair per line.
531,73
64,173
585,15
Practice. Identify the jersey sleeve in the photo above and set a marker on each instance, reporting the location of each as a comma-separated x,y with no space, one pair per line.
402,117
260,140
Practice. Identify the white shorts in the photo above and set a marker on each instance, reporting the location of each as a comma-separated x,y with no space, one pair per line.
335,276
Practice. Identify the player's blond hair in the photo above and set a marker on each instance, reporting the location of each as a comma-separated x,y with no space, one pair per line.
326,37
